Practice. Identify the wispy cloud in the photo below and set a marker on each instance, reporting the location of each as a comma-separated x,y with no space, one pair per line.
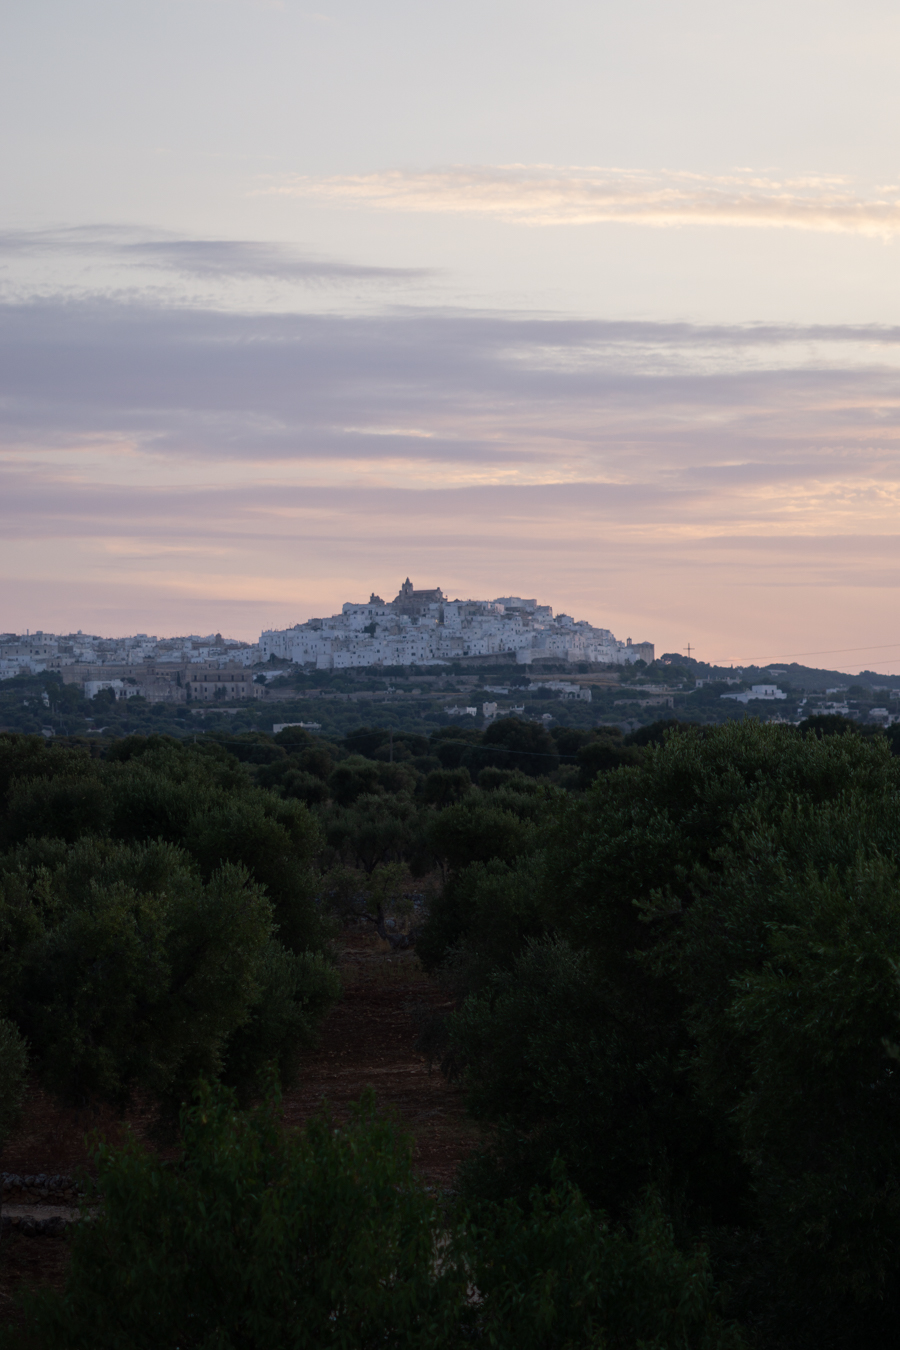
446,396
216,259
541,194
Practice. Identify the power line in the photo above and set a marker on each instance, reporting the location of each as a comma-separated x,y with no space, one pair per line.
832,651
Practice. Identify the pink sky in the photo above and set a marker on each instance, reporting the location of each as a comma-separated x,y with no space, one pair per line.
591,303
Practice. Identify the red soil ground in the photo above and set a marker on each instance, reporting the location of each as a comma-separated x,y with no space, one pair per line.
368,1040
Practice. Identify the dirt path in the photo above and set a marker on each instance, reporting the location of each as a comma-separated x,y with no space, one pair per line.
368,1040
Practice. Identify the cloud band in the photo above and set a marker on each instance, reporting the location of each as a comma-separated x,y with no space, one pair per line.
548,195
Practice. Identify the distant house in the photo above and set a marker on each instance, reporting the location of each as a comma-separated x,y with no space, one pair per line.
767,693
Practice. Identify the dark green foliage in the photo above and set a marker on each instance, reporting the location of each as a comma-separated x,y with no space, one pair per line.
256,1237
512,785
569,740
357,776
110,862
293,739
130,747
277,842
525,798
601,749
556,1275
488,846
209,807
453,746
293,991
828,724
483,917
568,1067
713,1010
296,784
475,830
64,807
656,732
819,1111
381,744
123,968
443,787
301,775
365,740
254,748
682,979
26,757
153,906
510,743
316,760
65,699
601,755
490,779
375,829
650,828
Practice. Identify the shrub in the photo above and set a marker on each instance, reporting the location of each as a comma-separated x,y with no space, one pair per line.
256,1237
64,807
557,1275
374,830
443,787
601,755
124,968
157,918
820,1105
564,1066
484,914
509,743
293,991
475,830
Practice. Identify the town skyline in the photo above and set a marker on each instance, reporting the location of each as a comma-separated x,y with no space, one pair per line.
416,627
883,658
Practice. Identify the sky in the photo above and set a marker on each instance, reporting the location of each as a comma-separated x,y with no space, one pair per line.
592,302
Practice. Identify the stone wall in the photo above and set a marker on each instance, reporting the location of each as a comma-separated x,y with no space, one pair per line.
39,1206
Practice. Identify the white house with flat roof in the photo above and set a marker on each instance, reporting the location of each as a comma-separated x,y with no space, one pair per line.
766,693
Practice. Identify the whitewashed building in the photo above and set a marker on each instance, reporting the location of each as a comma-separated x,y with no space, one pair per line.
426,628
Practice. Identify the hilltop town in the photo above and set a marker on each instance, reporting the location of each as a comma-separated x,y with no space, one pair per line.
418,628
425,628
416,662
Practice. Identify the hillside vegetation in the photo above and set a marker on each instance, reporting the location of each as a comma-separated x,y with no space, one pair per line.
675,961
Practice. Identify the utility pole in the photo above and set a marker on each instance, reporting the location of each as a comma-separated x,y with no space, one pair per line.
391,734
689,649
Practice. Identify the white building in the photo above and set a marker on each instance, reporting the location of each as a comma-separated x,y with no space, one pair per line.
766,693
425,628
